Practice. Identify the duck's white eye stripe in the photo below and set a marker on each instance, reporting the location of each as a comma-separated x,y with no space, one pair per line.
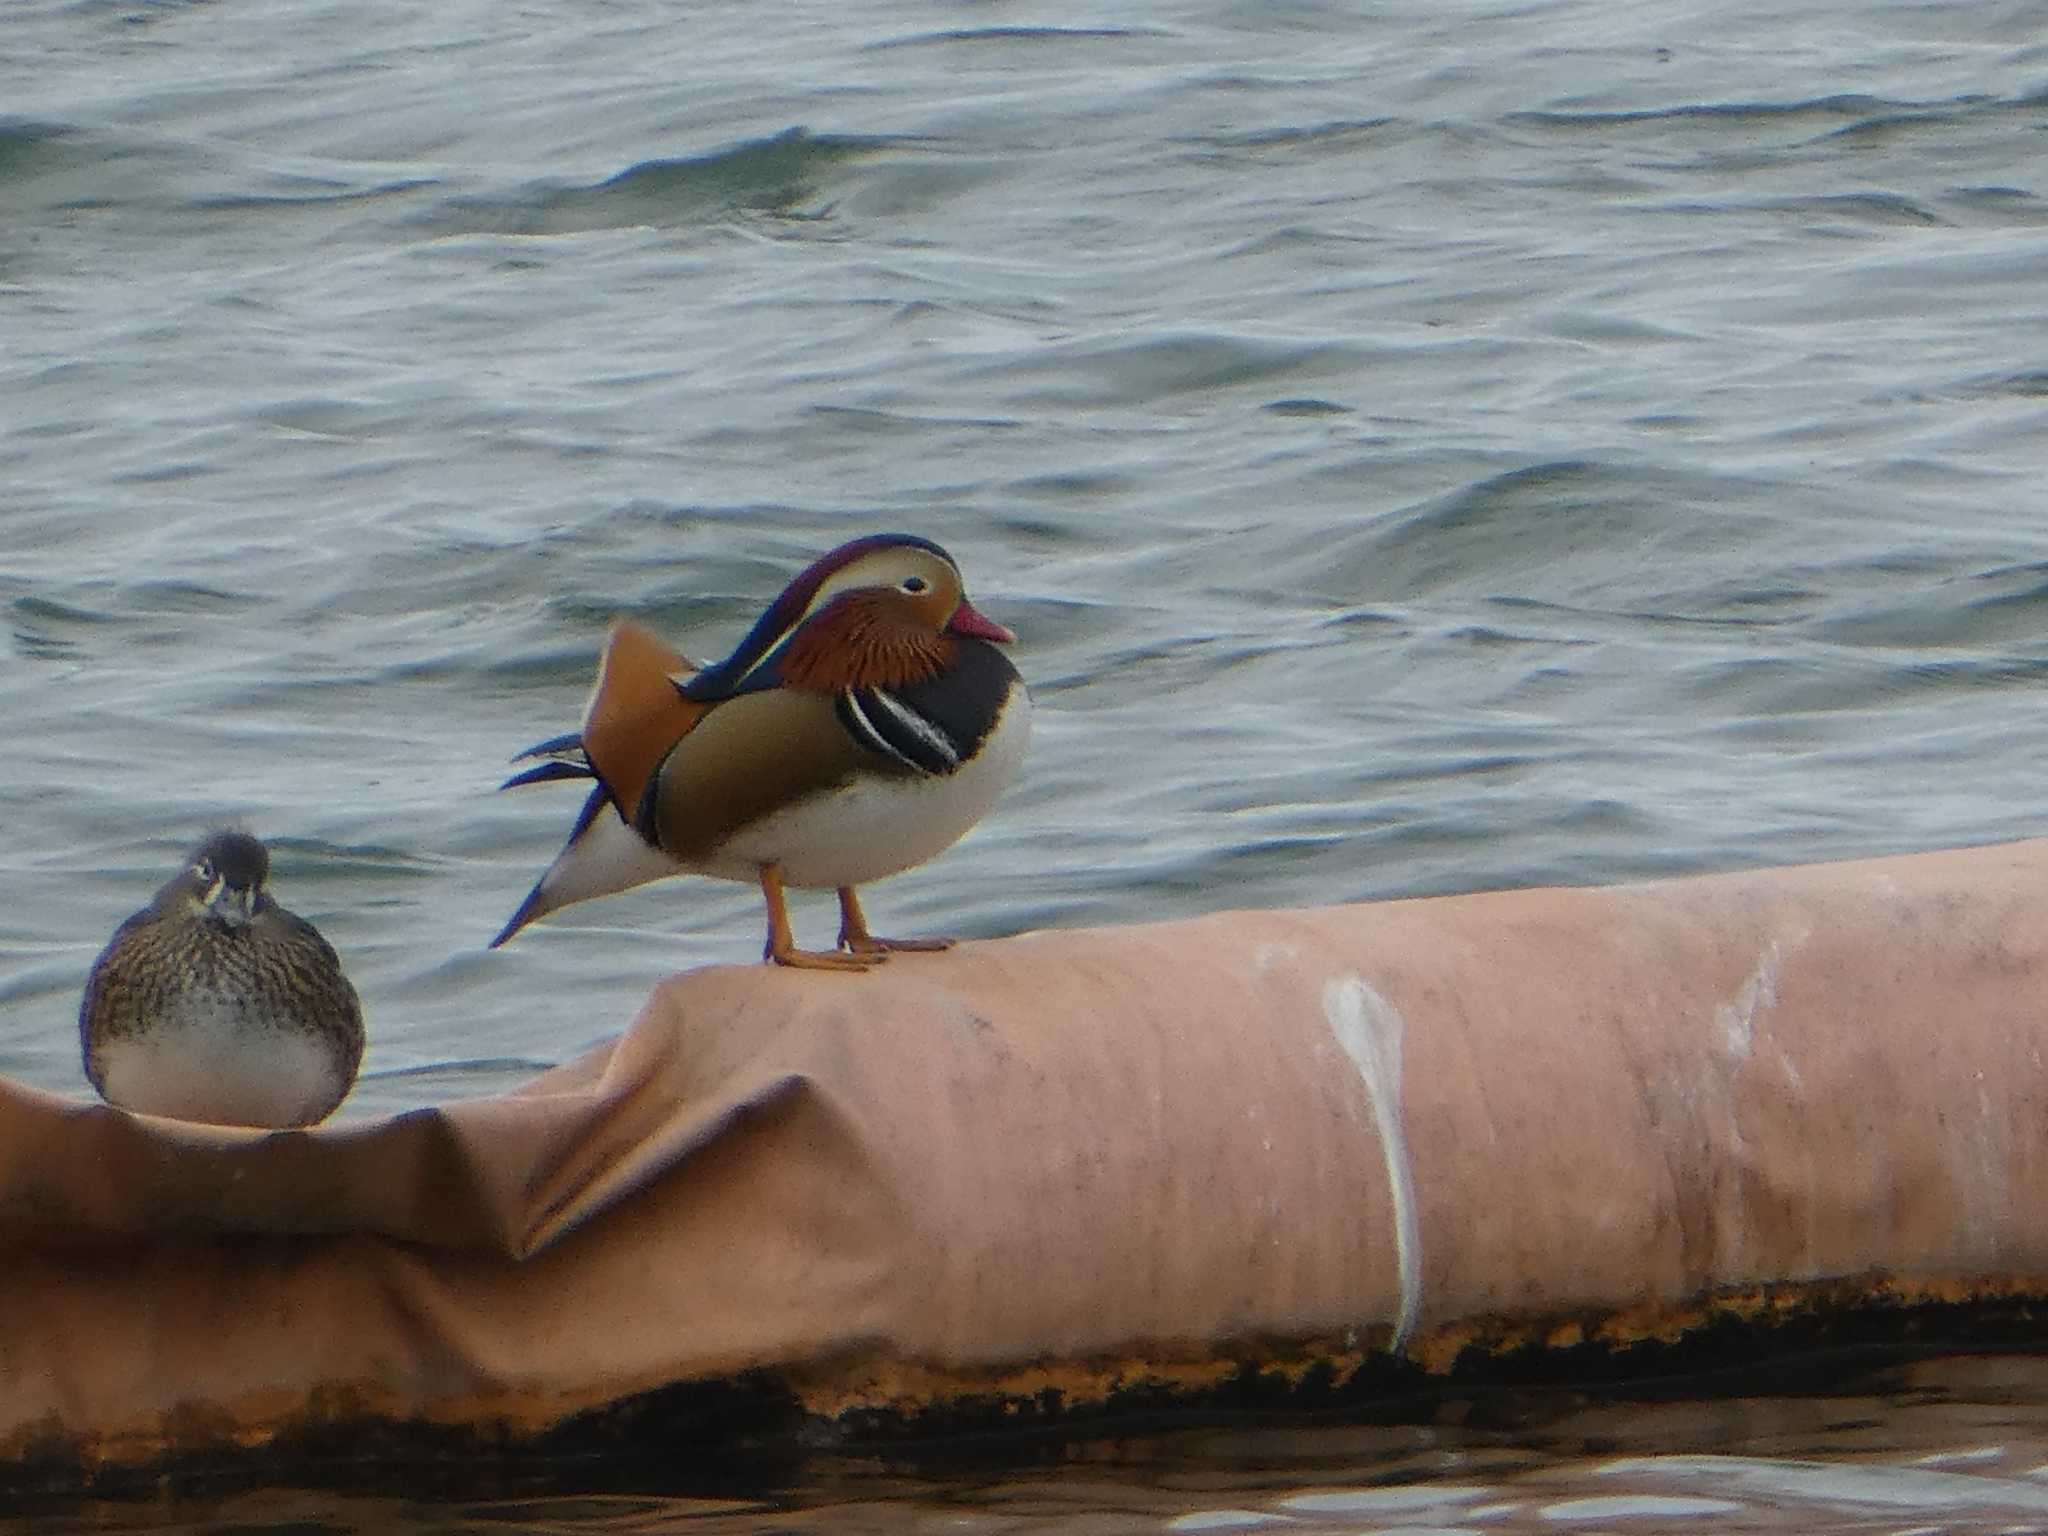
919,727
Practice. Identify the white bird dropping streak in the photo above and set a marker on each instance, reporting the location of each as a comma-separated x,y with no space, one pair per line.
1759,994
1369,1029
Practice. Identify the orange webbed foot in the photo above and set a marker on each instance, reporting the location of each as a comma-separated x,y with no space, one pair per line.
823,959
857,941
781,947
879,948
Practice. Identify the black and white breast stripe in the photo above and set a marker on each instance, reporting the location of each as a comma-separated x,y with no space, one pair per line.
934,726
884,724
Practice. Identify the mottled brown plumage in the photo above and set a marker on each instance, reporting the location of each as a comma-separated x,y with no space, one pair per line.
214,1003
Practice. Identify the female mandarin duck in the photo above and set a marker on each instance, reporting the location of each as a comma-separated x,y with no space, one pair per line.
214,1003
863,725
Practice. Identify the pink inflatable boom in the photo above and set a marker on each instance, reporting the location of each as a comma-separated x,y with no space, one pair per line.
1389,1139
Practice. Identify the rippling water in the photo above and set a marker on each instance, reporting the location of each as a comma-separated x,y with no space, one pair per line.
1423,447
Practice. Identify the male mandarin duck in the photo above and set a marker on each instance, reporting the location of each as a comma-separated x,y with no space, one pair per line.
863,725
214,1003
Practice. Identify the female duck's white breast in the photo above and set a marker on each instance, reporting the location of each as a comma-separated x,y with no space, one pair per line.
215,1058
880,826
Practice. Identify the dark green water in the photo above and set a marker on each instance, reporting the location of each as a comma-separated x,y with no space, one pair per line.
1421,447
1955,1445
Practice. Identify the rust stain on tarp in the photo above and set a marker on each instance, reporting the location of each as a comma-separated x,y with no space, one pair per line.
874,1400
1469,1351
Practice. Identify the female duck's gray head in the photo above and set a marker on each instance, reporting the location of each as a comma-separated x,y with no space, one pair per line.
226,877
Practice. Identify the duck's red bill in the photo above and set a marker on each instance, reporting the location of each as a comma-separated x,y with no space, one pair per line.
969,620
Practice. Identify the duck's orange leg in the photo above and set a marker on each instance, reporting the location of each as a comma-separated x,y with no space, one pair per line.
854,935
782,945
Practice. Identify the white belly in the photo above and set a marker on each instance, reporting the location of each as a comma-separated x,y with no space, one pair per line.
206,1064
879,827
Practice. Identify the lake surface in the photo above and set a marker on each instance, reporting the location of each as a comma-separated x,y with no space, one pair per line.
1421,447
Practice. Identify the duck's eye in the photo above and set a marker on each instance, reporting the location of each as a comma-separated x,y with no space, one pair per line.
914,584
204,870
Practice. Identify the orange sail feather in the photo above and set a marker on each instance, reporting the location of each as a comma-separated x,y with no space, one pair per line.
635,714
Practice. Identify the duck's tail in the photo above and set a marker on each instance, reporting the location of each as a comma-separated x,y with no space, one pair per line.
636,714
